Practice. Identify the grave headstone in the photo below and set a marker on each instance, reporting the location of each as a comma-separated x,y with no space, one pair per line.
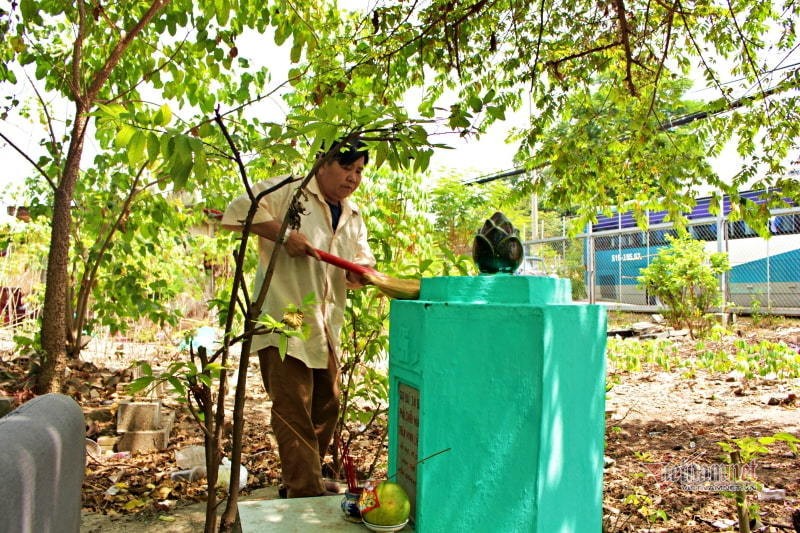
497,401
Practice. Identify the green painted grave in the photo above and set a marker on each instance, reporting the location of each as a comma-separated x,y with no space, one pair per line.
496,415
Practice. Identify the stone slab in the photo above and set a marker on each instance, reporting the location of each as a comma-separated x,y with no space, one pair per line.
147,440
297,515
138,416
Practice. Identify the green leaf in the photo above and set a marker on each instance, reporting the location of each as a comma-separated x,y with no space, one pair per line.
213,369
200,167
163,116
180,389
145,368
153,146
181,162
295,78
381,153
283,346
496,112
309,300
297,50
111,110
475,103
30,12
139,384
223,9
136,148
282,32
124,136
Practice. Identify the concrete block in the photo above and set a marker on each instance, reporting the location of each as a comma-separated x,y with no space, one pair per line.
147,439
138,416
143,441
99,414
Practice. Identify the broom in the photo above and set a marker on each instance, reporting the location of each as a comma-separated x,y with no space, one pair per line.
401,289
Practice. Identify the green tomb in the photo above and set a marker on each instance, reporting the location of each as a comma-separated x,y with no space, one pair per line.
497,399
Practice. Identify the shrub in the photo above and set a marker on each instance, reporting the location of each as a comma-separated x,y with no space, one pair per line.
684,277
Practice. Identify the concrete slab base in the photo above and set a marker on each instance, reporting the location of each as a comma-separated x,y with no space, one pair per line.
138,416
297,515
148,440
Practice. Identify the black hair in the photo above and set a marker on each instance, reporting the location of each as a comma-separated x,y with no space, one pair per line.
351,152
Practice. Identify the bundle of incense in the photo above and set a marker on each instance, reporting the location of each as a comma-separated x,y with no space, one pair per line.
349,469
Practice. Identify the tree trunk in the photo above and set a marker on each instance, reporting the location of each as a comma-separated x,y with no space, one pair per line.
54,312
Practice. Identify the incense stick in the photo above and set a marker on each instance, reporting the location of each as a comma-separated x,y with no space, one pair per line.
349,469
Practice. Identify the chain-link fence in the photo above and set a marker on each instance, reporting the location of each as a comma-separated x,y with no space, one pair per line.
604,266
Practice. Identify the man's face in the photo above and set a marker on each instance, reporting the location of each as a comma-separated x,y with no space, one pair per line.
337,181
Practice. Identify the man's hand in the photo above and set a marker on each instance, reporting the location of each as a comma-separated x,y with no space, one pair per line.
357,280
297,245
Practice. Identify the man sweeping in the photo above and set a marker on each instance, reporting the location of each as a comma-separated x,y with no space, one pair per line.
304,386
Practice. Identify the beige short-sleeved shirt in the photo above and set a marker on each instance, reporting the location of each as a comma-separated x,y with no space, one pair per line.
296,277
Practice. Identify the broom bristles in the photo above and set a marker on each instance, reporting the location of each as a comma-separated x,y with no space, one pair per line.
400,289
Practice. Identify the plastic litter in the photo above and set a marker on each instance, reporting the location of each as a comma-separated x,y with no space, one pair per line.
192,462
224,478
93,451
772,494
119,455
191,474
191,456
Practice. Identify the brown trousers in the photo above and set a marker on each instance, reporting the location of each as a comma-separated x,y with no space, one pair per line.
305,408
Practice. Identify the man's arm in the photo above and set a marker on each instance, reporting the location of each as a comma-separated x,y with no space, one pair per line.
295,242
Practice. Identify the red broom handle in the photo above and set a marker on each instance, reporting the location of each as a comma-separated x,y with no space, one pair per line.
344,263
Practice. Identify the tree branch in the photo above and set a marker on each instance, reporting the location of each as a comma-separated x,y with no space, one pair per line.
90,271
31,161
662,60
749,57
624,36
706,67
122,45
55,153
147,75
74,82
582,53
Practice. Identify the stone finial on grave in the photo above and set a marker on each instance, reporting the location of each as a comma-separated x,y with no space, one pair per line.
497,246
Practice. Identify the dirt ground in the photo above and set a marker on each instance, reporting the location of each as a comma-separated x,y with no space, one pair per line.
660,422
656,421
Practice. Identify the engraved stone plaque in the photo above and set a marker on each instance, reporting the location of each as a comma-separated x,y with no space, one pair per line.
408,441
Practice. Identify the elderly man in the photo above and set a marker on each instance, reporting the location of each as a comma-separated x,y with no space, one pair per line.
304,386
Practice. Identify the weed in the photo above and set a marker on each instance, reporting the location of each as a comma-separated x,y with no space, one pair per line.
644,505
742,451
765,359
